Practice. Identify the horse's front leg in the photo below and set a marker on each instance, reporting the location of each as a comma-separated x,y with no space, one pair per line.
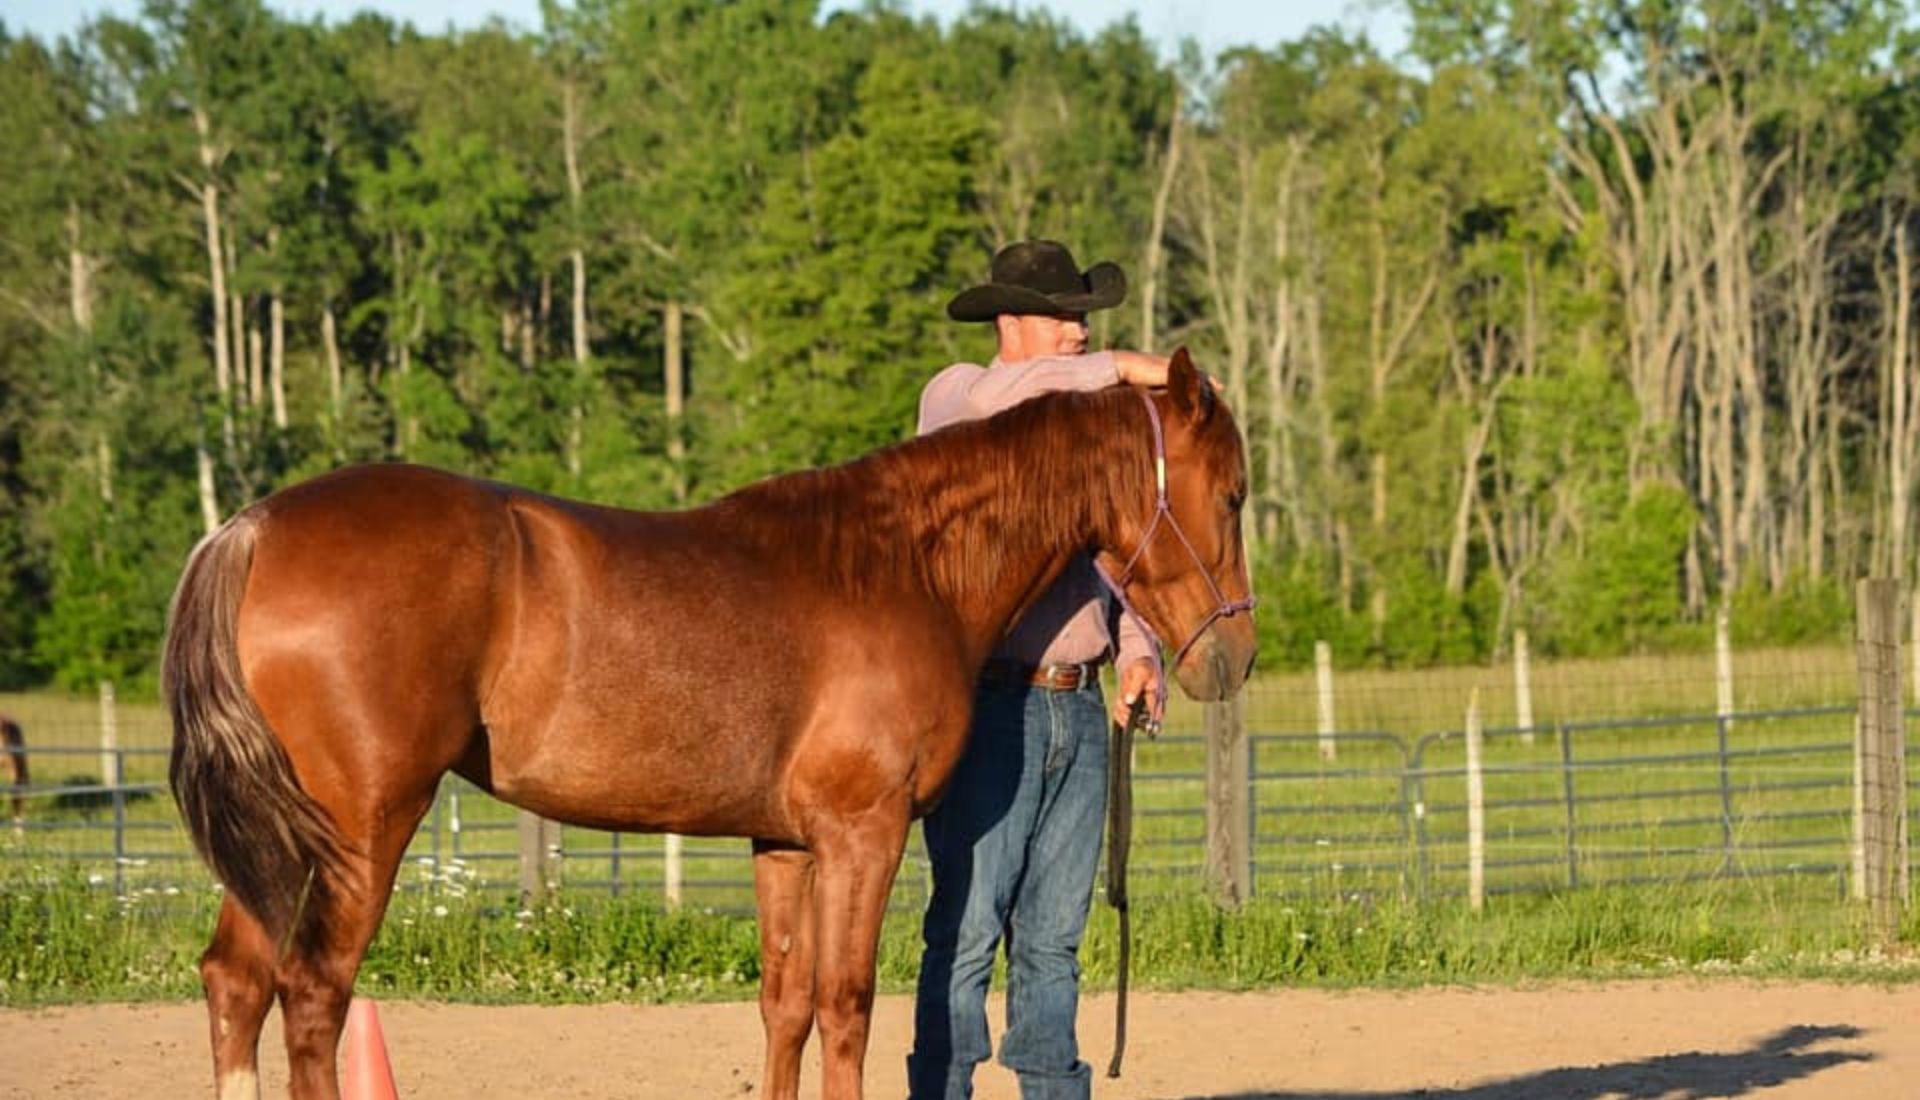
783,891
854,872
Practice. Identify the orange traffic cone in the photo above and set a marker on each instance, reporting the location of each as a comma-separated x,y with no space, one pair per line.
365,1073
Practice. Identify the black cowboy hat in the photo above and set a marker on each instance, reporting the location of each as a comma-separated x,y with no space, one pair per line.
1039,277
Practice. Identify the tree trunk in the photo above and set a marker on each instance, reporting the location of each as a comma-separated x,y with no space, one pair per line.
210,159
209,503
1279,492
336,379
256,368
277,342
577,256
277,359
1156,234
80,302
676,390
1902,414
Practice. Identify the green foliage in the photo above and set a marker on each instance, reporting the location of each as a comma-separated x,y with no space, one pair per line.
1299,605
1623,593
1804,609
845,283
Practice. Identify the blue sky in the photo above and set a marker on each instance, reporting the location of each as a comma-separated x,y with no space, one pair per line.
1215,23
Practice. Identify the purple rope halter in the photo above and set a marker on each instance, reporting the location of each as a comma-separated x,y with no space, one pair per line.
1163,510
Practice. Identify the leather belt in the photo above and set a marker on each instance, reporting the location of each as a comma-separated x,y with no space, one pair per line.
1056,677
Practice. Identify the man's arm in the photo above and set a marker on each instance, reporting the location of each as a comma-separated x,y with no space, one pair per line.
967,392
957,393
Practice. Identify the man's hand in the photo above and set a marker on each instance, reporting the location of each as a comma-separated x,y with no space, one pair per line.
1140,369
1137,368
1137,682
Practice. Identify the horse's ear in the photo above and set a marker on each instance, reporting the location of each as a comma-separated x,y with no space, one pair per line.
1189,388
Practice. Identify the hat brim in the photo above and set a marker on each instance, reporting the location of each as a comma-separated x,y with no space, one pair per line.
1106,288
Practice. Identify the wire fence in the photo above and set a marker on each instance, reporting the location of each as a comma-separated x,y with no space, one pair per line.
1569,803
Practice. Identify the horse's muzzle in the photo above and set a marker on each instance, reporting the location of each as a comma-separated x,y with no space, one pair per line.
1219,662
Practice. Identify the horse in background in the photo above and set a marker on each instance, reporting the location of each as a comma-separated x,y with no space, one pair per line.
13,747
794,663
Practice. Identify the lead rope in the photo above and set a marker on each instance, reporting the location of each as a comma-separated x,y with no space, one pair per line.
1119,841
1120,812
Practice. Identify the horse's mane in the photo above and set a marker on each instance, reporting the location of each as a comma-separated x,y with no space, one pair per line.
956,502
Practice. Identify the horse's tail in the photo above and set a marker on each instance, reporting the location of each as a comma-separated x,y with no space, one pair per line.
270,843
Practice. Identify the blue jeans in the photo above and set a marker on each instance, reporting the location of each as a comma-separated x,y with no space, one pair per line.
1013,846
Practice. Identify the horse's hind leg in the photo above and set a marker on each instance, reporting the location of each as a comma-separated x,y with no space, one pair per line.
315,980
237,971
783,891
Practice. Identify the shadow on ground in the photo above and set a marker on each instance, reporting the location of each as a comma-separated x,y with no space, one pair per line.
1780,1058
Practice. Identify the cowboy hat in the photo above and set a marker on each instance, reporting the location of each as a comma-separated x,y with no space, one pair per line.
1039,277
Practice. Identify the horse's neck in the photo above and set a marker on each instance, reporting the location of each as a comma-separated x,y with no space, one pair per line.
1010,519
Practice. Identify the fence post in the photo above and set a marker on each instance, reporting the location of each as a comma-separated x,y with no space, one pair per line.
1323,679
1476,810
673,869
1883,753
453,827
1229,765
109,736
1858,889
539,855
1522,687
1565,737
1722,665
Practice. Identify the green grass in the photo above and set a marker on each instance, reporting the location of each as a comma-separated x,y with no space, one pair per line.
62,940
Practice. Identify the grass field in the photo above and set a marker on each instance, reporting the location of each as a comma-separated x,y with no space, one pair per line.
63,941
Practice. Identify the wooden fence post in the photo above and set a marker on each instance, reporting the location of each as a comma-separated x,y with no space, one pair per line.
1476,810
673,869
1858,887
539,856
1522,687
1722,666
1883,780
109,737
1323,679
1229,803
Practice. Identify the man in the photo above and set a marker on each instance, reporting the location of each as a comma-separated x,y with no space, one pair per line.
1016,838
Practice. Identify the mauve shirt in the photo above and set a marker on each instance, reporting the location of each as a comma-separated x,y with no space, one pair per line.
1068,623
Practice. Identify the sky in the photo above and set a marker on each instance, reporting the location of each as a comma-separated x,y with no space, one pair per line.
1216,24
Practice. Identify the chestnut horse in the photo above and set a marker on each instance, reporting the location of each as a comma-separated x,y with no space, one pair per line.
794,664
13,748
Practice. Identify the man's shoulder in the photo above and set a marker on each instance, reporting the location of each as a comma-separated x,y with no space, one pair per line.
954,373
943,399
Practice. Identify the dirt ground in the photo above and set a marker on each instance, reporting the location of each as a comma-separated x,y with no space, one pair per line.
1631,1041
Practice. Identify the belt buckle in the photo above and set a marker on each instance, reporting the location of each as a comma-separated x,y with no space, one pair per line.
1066,677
